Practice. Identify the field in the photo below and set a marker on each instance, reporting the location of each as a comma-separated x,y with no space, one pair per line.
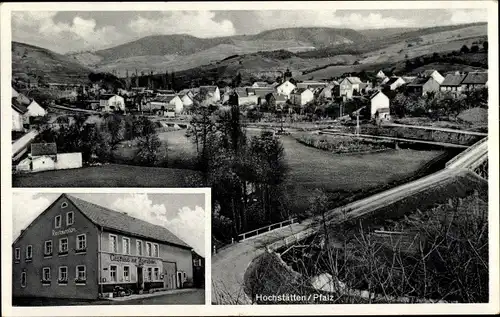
180,149
312,168
112,175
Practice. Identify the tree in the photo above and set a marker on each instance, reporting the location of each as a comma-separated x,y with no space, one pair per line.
485,45
474,49
114,125
318,206
149,146
464,49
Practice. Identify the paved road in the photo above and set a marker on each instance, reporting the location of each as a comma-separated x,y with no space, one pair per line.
230,264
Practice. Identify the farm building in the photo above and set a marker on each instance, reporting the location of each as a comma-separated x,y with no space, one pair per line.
452,83
434,74
35,110
77,249
111,103
285,89
301,96
394,83
348,86
19,115
379,106
475,80
423,85
186,100
44,157
210,94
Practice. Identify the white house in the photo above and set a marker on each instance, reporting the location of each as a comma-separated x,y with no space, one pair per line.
285,89
110,103
210,94
434,74
186,100
19,116
348,85
44,157
379,106
381,74
326,92
301,96
394,83
168,105
35,110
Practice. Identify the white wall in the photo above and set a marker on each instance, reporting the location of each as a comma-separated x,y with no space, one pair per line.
380,101
35,110
43,163
17,121
286,88
68,160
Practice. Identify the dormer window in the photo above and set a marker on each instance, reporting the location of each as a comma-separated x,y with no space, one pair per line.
57,221
69,218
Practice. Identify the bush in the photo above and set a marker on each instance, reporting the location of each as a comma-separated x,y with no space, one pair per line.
340,144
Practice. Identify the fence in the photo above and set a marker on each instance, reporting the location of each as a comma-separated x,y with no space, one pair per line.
268,228
469,149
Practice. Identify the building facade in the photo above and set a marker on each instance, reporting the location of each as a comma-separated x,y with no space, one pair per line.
76,249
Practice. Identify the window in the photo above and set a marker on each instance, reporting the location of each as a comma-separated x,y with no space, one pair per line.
63,275
81,242
63,246
23,279
148,248
57,222
17,254
81,274
112,273
29,252
69,218
156,250
46,274
126,273
150,274
64,205
47,248
138,247
184,276
112,244
157,274
126,245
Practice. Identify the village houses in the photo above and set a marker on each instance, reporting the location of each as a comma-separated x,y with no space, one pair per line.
394,83
111,103
379,106
301,96
423,85
285,89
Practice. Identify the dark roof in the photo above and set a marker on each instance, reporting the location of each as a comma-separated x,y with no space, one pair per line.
476,78
19,107
298,91
453,80
115,220
262,92
392,80
428,72
38,149
241,92
164,98
376,93
420,81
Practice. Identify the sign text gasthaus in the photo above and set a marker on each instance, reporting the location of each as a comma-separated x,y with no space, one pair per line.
124,258
61,232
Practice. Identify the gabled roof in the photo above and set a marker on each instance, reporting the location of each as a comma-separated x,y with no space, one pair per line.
113,220
476,78
453,80
419,81
261,84
298,91
409,79
354,80
262,92
392,80
38,149
287,81
241,91
164,98
18,107
428,72
375,94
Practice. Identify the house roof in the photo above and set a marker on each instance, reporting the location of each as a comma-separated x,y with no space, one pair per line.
164,98
354,80
453,80
115,220
298,91
428,72
241,92
38,149
19,107
476,78
409,79
375,94
262,92
420,81
392,80
261,84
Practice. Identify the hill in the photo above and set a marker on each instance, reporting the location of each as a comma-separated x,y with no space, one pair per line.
35,64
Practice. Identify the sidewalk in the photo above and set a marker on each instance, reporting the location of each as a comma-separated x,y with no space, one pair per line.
147,295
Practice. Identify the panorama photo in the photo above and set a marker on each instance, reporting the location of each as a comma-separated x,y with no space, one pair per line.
346,150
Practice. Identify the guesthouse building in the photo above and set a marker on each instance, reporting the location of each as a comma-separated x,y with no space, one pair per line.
77,249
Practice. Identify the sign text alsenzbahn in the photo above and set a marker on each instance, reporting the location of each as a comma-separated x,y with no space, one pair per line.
61,232
125,258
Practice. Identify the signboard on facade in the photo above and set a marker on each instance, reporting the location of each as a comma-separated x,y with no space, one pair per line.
133,259
63,232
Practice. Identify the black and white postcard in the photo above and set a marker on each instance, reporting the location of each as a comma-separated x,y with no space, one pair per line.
349,151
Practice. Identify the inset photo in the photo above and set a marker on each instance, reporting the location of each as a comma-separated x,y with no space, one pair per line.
108,248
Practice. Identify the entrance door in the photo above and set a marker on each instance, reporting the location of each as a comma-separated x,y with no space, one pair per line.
140,278
179,279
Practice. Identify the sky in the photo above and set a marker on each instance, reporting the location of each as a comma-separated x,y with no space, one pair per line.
182,214
70,31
